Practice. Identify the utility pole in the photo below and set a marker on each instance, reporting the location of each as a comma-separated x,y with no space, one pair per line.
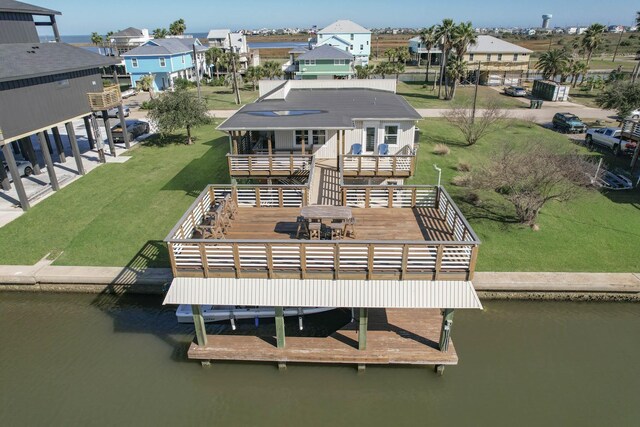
615,52
233,66
475,95
195,61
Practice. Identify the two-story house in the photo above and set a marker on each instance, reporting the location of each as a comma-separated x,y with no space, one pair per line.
166,60
323,62
348,36
227,40
129,38
501,62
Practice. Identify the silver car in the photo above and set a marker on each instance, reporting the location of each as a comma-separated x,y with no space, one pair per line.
515,91
113,113
24,168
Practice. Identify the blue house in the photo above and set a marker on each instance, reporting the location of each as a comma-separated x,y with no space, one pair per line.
166,59
348,36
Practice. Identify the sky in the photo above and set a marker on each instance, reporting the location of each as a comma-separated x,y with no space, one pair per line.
81,17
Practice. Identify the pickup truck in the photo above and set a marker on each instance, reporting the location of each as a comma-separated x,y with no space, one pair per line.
609,138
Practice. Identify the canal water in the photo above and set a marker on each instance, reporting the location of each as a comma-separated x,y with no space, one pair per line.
106,360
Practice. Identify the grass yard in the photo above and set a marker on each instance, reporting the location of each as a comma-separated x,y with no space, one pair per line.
222,97
420,97
595,232
119,214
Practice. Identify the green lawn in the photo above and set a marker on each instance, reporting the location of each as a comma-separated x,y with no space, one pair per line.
595,232
222,97
421,97
119,213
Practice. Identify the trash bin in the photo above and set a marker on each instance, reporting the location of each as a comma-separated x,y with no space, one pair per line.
532,104
539,104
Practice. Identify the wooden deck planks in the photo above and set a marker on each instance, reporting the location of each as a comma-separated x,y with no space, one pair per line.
395,336
392,224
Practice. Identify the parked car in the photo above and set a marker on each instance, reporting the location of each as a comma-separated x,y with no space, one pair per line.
609,138
567,122
113,113
129,92
515,91
25,168
135,128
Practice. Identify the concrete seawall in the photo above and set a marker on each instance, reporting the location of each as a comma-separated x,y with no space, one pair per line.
43,277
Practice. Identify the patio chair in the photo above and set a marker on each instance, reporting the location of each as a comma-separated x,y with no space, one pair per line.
336,230
315,229
383,150
303,227
349,229
356,149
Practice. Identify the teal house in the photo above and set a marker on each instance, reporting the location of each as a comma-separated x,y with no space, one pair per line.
324,62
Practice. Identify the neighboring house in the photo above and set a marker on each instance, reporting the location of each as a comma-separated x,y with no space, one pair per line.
308,116
348,36
501,62
220,38
129,38
323,62
42,86
166,59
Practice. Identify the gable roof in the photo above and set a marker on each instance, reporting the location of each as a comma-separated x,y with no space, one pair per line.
490,44
26,60
20,7
163,47
344,26
218,33
321,109
325,51
128,32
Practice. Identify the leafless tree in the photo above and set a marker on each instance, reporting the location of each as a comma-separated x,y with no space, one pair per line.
476,126
529,178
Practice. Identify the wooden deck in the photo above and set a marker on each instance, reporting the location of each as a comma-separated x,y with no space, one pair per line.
393,224
394,336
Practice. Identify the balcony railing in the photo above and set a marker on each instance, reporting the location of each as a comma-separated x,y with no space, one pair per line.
341,259
400,166
110,97
264,165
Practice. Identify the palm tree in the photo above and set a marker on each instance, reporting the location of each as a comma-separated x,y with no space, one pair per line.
146,84
254,74
444,33
463,37
592,39
363,71
428,38
213,56
575,69
390,54
638,18
398,68
160,33
456,69
96,39
403,54
177,27
384,68
552,62
272,69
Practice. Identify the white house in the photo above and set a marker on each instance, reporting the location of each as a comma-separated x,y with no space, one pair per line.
220,38
349,36
127,39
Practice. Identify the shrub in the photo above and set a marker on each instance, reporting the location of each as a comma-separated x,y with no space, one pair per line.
441,150
461,180
181,83
463,167
146,105
472,198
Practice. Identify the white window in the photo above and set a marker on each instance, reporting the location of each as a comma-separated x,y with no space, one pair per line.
515,56
134,62
320,36
351,47
183,60
471,57
361,47
351,37
339,62
391,134
488,57
163,63
309,62
301,135
367,42
499,57
319,137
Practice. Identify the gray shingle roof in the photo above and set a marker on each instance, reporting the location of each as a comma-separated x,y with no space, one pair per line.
25,60
325,52
218,34
321,109
344,26
128,32
162,47
19,7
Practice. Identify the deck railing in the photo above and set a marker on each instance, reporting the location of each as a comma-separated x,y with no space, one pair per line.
341,259
261,165
353,165
110,97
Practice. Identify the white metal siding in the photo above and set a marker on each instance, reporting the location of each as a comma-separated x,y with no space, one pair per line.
323,293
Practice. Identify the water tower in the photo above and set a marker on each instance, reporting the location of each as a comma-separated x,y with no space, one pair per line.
545,20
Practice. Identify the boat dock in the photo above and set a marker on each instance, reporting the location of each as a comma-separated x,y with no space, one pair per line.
393,336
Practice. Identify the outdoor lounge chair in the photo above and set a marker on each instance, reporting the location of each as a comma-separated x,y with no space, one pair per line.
356,149
383,150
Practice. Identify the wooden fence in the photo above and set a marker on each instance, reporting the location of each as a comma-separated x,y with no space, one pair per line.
265,165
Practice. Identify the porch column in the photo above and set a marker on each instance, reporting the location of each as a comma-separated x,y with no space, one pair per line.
58,141
4,179
47,160
90,138
280,327
362,328
74,147
445,331
123,123
269,145
198,321
15,174
302,143
54,26
31,155
47,139
107,129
